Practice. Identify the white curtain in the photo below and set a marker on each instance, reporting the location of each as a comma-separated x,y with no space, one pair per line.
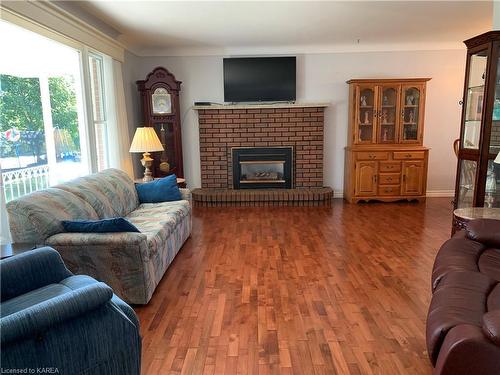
5,237
118,137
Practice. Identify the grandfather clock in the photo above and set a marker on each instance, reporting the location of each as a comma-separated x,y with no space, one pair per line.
160,105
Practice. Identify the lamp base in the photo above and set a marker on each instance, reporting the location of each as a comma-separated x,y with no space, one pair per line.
147,162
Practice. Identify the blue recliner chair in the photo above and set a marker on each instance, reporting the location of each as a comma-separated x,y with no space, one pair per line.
52,319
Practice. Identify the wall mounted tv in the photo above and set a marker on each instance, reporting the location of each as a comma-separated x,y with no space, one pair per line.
259,79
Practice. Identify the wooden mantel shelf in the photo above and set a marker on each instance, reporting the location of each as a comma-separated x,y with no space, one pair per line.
260,106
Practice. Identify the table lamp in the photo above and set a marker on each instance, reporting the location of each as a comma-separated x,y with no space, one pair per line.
146,141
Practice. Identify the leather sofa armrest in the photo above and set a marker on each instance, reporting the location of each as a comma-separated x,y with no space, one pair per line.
28,271
34,320
491,326
485,231
465,351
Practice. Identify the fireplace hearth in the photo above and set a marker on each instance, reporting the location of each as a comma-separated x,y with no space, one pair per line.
262,167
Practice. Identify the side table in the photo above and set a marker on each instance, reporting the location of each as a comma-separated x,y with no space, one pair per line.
461,216
16,248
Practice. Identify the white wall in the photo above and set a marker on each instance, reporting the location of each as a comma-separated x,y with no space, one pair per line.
496,15
322,77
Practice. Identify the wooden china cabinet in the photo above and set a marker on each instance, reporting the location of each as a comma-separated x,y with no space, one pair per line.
384,157
478,170
160,105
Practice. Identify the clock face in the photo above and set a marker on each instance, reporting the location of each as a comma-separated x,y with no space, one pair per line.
161,100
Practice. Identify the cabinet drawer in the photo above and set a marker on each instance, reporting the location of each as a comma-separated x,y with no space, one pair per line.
390,167
367,155
389,178
405,155
389,190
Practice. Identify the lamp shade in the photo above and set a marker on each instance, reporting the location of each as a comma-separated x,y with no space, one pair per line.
497,159
145,140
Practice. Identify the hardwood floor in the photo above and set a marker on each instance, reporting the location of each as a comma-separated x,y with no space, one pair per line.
298,290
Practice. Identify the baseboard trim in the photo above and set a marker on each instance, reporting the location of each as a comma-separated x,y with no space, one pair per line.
430,194
338,194
440,193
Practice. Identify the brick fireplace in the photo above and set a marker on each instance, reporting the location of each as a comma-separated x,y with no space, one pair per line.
298,127
226,128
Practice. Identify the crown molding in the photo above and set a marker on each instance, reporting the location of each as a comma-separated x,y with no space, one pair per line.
295,49
50,20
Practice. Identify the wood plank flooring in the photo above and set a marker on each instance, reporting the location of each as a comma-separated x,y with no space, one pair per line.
298,290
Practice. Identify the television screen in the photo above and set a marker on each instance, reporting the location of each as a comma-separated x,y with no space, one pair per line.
259,79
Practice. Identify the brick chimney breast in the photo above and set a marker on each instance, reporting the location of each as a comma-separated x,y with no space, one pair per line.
296,126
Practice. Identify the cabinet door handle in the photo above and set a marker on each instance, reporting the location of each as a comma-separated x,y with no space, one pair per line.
404,178
389,178
375,177
408,155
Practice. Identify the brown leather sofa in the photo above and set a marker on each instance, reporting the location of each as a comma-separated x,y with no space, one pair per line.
463,323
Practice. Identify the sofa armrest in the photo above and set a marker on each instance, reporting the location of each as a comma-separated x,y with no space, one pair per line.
466,350
186,194
121,260
93,239
38,318
28,271
485,231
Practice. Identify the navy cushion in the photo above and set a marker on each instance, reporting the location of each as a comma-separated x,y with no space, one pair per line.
161,190
116,224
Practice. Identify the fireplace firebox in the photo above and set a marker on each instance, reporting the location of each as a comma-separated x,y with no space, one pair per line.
262,167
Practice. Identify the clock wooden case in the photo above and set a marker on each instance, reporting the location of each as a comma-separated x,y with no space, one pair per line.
384,158
159,94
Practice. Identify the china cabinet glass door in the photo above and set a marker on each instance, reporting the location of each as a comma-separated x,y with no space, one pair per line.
366,114
387,114
467,183
492,185
410,114
474,100
469,154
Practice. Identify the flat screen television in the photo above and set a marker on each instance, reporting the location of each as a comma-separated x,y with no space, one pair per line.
259,79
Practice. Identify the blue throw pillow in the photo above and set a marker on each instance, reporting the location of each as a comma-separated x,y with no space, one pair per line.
161,190
116,224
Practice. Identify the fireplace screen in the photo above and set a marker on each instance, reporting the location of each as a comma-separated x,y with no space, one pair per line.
256,167
269,171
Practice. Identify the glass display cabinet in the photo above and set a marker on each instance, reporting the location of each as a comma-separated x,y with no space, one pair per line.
478,170
388,113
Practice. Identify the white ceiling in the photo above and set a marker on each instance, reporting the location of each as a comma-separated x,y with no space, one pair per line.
256,27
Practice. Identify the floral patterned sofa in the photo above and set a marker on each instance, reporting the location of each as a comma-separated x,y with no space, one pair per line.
131,263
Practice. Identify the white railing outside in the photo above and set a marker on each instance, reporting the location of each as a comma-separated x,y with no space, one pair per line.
24,181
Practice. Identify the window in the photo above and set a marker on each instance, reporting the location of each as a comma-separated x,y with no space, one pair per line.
46,129
98,109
